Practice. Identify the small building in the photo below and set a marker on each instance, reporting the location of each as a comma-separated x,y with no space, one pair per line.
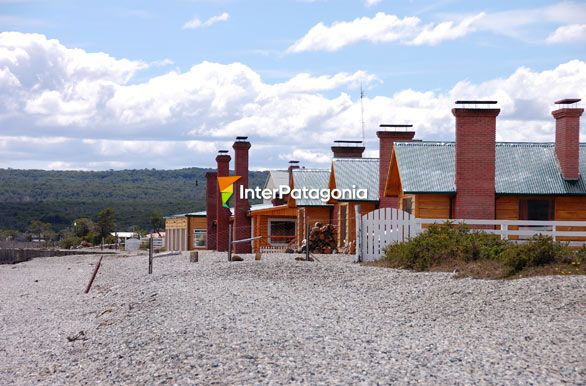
186,232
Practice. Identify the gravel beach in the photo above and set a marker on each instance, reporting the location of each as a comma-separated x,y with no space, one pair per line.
281,321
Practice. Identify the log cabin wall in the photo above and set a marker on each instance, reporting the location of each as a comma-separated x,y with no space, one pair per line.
431,206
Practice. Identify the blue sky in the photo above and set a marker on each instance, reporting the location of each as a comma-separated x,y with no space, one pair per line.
92,84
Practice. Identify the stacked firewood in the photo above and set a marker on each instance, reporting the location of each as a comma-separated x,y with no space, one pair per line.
322,238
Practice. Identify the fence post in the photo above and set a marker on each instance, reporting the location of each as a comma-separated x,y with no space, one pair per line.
229,242
150,255
504,231
358,233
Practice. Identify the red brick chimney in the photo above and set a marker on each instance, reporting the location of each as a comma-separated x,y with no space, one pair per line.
567,138
475,160
347,149
386,141
241,206
211,208
222,214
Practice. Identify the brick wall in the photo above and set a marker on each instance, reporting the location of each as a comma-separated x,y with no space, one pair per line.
347,151
567,141
241,206
475,163
222,214
211,208
386,141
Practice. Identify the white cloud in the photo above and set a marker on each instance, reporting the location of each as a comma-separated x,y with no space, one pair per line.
370,3
433,34
68,107
568,34
196,23
382,28
521,23
314,157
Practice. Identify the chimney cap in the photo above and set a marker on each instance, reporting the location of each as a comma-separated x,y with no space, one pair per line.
348,142
240,138
567,101
223,151
394,125
476,102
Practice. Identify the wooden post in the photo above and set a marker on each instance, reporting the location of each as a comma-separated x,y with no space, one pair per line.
306,239
358,233
193,256
150,255
89,286
229,242
102,246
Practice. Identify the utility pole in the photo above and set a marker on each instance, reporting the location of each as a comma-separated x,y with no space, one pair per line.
362,111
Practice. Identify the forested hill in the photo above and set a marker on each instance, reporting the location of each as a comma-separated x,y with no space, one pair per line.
59,197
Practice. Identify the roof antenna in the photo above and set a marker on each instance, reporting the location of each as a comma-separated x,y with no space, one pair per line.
362,109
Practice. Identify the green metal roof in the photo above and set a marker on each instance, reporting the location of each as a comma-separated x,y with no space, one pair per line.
357,173
521,168
311,179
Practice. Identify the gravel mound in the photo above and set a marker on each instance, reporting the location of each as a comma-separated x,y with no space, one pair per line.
283,321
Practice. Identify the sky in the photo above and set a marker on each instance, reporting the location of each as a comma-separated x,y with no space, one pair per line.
97,85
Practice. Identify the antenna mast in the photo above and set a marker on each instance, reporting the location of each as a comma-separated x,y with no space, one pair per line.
362,109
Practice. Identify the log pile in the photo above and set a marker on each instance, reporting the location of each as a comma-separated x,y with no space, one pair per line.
322,238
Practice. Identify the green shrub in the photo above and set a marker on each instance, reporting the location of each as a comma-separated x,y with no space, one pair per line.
449,242
581,255
538,251
70,241
444,242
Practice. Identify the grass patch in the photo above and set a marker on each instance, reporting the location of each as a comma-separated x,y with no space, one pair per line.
453,247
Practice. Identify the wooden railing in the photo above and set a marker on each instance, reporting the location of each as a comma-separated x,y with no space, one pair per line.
573,232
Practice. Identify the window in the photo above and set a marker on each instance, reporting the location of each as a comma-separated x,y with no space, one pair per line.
199,237
536,209
281,231
407,205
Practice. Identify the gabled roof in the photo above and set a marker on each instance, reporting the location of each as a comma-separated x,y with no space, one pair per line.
276,178
311,179
356,173
521,168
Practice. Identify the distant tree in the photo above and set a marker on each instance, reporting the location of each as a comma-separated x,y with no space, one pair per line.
82,226
8,234
105,223
157,222
40,229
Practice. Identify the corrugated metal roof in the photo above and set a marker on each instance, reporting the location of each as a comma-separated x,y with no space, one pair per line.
357,173
276,178
311,179
521,168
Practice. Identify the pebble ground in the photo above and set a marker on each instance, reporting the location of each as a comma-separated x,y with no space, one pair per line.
280,321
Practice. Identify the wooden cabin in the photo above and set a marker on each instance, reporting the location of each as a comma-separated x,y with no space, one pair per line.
528,182
186,232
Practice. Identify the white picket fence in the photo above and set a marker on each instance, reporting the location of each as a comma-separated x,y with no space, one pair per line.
385,226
